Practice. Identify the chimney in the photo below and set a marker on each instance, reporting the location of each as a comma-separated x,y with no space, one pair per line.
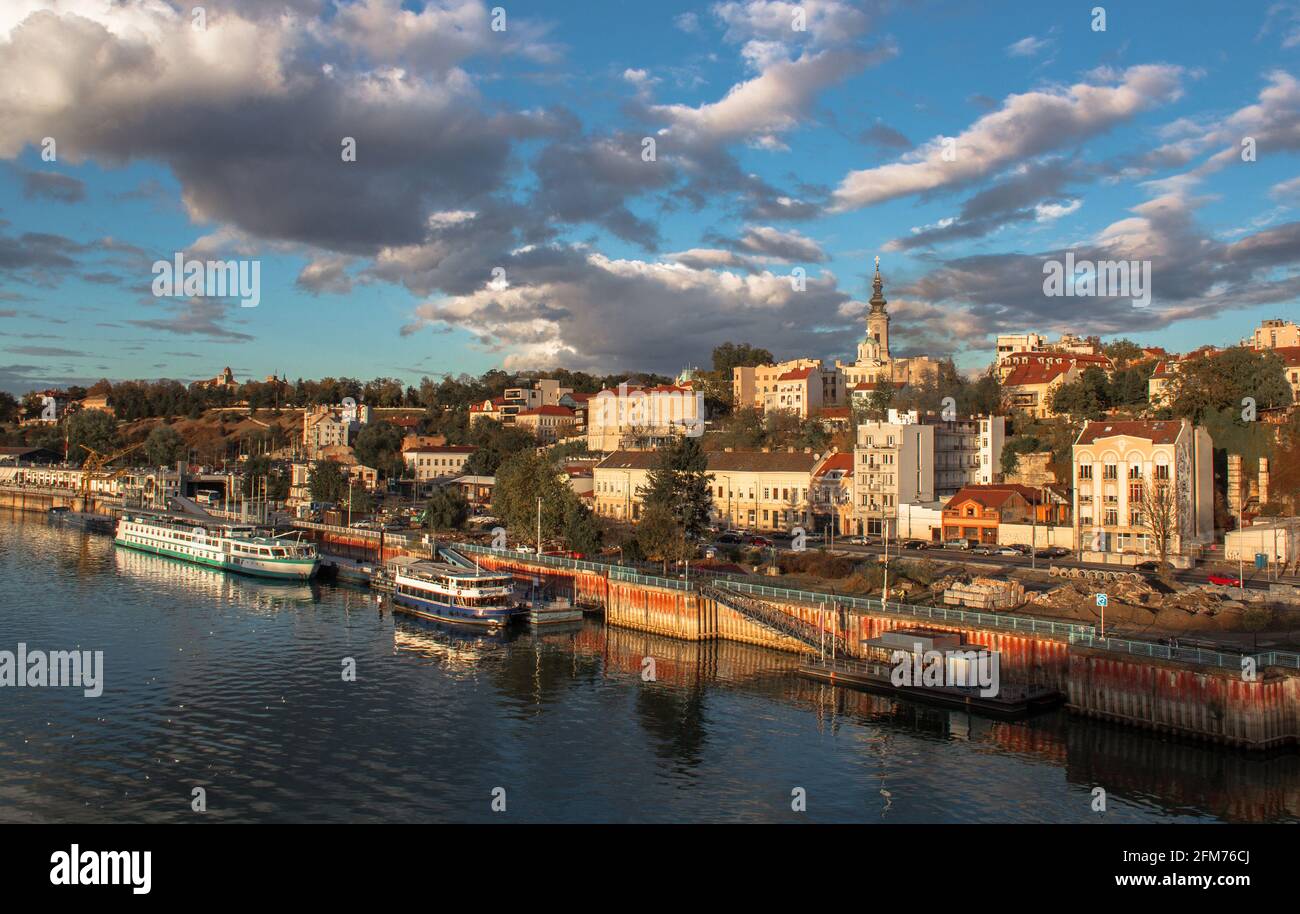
1263,481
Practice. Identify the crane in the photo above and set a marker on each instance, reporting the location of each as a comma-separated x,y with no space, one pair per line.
94,466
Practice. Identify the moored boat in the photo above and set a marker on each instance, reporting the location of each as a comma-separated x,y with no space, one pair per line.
242,549
448,593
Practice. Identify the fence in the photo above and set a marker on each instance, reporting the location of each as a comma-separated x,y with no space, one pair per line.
1221,659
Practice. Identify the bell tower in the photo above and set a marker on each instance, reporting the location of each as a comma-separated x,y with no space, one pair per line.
876,345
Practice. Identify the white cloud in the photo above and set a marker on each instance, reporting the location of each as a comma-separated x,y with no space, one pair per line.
1026,125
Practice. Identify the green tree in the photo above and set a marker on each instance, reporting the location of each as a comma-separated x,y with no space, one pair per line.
1086,398
581,530
680,483
660,535
90,429
446,509
495,442
327,482
521,480
164,446
729,356
379,445
1222,380
8,407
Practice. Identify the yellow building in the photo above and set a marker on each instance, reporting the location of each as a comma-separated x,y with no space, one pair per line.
753,490
1129,473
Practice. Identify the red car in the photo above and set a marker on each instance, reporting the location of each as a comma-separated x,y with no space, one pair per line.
1225,580
761,541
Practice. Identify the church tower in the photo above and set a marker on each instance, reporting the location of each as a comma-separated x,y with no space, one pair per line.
876,346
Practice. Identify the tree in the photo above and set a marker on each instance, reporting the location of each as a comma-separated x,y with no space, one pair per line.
446,509
1159,508
1086,398
680,483
90,429
521,480
1222,380
8,407
1122,352
495,443
581,530
729,356
327,483
660,535
379,445
164,446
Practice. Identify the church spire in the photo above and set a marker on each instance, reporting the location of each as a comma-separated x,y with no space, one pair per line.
877,290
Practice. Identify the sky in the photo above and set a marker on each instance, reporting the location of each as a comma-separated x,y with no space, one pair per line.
620,186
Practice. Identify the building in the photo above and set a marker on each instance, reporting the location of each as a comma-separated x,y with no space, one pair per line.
1138,478
331,426
1010,344
444,461
758,386
875,363
754,490
894,464
27,455
976,512
494,409
542,392
1029,379
967,451
548,423
832,494
638,418
1274,334
224,381
1290,356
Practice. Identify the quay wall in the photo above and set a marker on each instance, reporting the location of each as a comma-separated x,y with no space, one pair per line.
1199,702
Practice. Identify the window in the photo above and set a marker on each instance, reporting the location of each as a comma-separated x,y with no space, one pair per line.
1110,471
1085,471
1162,471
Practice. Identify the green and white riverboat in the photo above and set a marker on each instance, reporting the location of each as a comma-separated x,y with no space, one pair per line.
242,549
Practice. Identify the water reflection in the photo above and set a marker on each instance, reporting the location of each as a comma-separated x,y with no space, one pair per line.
234,684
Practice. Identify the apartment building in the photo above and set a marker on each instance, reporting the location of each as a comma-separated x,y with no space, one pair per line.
642,418
1135,478
753,490
331,426
893,464
967,451
832,494
1029,379
548,423
494,409
1274,334
438,461
1009,344
789,385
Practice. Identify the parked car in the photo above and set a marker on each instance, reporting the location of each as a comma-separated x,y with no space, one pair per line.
1225,580
983,549
1147,566
1008,550
1056,552
761,541
957,544
916,544
731,539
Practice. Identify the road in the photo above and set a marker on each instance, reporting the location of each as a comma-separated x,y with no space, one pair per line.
1254,580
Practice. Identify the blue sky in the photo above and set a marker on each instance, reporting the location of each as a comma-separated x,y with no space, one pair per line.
520,150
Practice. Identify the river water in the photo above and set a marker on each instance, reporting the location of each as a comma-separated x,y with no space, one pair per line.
223,683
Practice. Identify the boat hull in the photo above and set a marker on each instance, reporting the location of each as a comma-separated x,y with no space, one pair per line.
438,611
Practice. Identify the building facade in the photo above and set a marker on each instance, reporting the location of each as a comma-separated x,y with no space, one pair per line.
1137,479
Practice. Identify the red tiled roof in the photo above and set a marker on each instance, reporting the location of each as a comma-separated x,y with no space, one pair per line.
1036,373
1290,355
1157,431
842,460
797,374
865,385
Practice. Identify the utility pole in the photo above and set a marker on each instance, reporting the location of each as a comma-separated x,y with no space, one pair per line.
539,525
